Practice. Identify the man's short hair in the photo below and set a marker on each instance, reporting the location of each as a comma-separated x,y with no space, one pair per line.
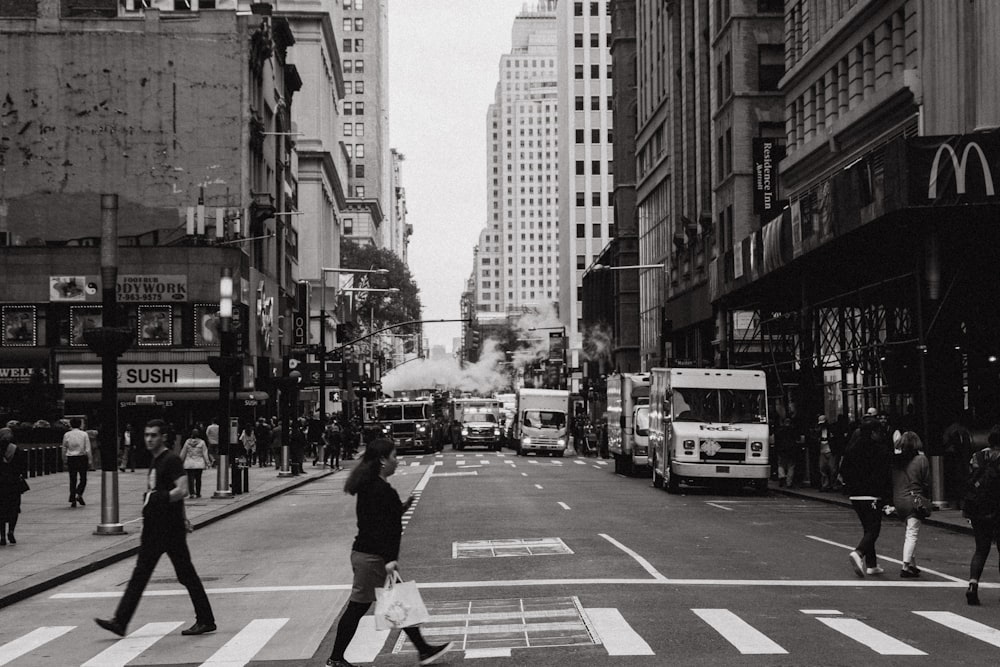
75,422
158,423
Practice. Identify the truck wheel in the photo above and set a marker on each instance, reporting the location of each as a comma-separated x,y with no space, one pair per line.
671,482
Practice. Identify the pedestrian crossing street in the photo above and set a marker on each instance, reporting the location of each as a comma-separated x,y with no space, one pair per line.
507,628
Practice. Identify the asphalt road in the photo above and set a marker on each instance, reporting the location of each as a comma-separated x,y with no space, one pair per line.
540,561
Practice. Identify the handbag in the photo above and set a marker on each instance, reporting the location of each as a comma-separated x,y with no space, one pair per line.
398,604
24,485
921,506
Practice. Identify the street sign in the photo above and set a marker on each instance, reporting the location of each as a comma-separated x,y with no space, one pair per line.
334,374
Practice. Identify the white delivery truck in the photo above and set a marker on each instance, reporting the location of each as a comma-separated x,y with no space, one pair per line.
542,421
708,425
628,421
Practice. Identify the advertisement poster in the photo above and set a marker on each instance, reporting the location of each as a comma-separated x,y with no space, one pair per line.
82,319
206,325
74,288
155,326
19,326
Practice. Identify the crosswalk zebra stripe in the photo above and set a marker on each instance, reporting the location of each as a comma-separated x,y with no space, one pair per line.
367,642
747,639
615,632
964,625
874,639
29,642
129,648
581,463
242,648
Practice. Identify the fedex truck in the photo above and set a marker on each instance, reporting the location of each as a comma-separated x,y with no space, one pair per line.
628,421
708,426
541,423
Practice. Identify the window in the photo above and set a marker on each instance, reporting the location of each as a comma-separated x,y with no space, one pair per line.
729,150
359,129
581,261
595,136
579,136
348,67
595,39
348,130
347,4
581,199
347,45
578,9
578,40
348,25
580,168
359,45
359,150
595,71
595,166
594,8
348,108
348,226
595,199
596,230
770,66
359,66
595,102
359,171
359,191
359,25
579,102
359,5
359,87
349,149
578,71
359,108
348,87
581,231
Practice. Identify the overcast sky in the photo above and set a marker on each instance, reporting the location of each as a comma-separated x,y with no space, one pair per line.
443,64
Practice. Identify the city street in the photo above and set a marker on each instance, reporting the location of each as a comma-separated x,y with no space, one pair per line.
537,561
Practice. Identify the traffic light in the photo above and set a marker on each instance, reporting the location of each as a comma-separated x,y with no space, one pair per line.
475,338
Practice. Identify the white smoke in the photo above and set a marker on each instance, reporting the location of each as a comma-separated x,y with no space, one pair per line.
597,343
484,377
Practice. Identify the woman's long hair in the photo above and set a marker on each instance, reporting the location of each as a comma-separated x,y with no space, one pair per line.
370,465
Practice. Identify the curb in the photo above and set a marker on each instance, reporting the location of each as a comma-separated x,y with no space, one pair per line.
931,521
56,576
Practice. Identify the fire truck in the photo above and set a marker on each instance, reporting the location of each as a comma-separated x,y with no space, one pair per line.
408,423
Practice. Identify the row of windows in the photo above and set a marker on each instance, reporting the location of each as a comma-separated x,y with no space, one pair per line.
354,129
595,39
354,45
595,167
595,136
355,108
357,25
354,66
357,4
595,72
595,103
595,8
355,150
595,199
354,87
595,228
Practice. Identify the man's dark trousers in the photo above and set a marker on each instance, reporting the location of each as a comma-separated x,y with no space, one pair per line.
156,541
77,466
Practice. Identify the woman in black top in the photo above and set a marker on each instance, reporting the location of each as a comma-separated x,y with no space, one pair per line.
375,551
10,486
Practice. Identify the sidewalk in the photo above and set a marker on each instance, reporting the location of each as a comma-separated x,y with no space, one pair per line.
949,519
56,543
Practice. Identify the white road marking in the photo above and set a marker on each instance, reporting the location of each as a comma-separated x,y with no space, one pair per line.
129,648
891,560
645,564
479,455
563,505
721,507
874,639
615,632
414,464
747,639
13,650
524,474
598,467
423,480
242,648
822,612
367,642
460,456
538,486
582,463
602,463
964,625
471,653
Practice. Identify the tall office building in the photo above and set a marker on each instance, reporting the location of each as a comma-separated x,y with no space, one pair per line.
396,230
586,209
363,32
516,262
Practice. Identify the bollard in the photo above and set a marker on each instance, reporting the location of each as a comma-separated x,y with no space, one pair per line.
50,463
937,484
30,456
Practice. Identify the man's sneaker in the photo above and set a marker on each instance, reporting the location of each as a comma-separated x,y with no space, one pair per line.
857,563
338,663
874,570
111,625
433,653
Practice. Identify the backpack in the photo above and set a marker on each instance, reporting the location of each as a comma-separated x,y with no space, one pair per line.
982,499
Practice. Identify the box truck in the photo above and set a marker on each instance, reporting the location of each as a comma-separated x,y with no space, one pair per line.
541,423
628,421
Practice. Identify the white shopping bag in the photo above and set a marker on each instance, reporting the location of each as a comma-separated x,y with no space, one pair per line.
398,604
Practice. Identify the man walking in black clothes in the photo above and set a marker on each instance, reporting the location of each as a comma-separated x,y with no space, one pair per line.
164,531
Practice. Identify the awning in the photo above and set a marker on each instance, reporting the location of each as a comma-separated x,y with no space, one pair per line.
164,396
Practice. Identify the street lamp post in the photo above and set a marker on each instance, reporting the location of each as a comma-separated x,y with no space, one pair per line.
371,325
226,366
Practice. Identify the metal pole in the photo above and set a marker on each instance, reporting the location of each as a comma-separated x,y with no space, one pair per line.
286,391
322,349
110,523
226,345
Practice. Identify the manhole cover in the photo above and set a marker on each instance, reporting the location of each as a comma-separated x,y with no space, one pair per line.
530,546
505,624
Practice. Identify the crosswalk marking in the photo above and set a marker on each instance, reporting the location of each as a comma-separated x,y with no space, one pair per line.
242,648
578,462
39,637
615,633
874,639
964,625
129,648
367,642
563,505
487,653
747,639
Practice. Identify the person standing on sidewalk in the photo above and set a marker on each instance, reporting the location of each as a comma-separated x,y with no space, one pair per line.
164,531
126,457
12,485
911,491
212,435
982,508
865,471
822,436
76,457
786,449
195,457
375,551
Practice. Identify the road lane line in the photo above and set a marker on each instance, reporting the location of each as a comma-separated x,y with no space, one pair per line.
822,612
891,560
563,505
367,642
246,643
874,639
129,648
538,486
964,625
524,474
721,507
423,480
747,639
615,633
645,564
38,637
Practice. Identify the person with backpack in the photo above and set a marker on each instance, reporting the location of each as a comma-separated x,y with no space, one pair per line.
982,507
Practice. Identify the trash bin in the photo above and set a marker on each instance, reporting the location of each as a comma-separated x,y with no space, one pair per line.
241,476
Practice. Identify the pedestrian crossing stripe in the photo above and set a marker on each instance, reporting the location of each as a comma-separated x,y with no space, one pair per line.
131,647
964,625
38,637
